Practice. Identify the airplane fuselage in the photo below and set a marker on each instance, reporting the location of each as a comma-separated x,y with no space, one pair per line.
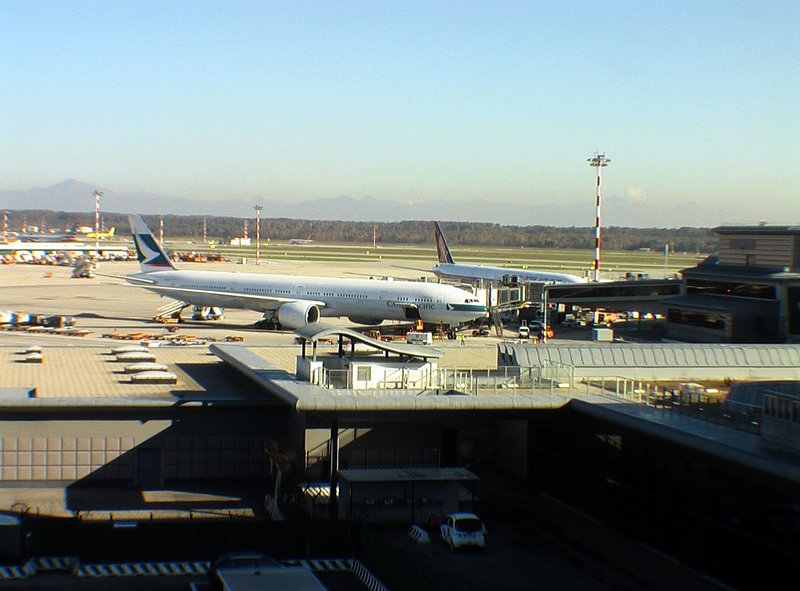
476,272
335,297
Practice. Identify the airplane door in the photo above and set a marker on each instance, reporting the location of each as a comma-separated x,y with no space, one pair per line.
300,290
382,296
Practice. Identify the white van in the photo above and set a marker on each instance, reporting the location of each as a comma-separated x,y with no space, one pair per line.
419,338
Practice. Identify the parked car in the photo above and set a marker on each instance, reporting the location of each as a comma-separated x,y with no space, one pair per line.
463,529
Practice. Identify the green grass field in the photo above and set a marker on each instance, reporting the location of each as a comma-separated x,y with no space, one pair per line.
578,262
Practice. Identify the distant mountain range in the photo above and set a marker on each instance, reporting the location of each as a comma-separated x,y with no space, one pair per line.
77,196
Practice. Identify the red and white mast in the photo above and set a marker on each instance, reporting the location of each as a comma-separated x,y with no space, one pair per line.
598,161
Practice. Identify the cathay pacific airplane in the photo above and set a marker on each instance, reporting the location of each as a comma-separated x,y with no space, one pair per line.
447,267
292,301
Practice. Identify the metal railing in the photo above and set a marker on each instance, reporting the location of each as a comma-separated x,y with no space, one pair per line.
693,403
472,381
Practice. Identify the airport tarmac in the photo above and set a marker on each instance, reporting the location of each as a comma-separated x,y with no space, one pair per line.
107,304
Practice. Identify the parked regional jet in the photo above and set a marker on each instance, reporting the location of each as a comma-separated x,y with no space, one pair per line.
71,236
447,267
38,249
101,235
294,301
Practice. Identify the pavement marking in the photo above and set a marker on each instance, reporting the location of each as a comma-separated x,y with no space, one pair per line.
147,569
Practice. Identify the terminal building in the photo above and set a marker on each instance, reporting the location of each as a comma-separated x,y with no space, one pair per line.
749,293
241,423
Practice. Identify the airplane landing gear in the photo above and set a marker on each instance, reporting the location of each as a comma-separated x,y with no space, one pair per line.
268,323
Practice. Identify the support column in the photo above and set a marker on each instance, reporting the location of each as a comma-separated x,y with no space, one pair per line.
333,507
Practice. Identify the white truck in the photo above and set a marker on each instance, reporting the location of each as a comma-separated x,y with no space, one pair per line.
463,529
419,338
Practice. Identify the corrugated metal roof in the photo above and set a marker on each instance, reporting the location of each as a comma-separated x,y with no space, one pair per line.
630,355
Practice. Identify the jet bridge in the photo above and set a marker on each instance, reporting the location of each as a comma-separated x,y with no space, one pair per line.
646,296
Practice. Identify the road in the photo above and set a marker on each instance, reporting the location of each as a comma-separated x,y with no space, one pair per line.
536,543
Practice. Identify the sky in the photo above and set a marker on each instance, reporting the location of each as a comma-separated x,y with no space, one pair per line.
695,103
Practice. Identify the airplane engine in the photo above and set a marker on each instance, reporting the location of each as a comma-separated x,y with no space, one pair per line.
296,314
359,320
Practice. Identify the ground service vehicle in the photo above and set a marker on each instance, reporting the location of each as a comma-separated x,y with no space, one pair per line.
462,530
419,338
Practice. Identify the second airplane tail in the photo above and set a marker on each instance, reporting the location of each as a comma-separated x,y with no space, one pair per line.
149,252
441,246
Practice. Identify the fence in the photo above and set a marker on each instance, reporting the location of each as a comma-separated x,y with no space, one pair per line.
550,375
694,401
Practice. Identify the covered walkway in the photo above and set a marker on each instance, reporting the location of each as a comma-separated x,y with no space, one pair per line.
317,331
661,361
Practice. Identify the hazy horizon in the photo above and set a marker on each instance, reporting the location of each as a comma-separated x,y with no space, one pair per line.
696,105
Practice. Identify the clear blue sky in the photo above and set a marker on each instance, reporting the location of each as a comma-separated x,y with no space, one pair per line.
694,102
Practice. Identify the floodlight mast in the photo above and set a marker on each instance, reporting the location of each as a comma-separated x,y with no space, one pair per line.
258,209
598,161
97,195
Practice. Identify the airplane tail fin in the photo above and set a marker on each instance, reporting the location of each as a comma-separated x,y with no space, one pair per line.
149,252
441,246
111,231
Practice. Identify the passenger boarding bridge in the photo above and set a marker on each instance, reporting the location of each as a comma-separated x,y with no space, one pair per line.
641,295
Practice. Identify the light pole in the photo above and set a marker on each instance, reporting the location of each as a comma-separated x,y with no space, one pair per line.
598,161
97,195
258,209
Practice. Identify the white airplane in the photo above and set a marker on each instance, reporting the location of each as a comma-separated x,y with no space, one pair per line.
37,249
447,267
294,301
17,245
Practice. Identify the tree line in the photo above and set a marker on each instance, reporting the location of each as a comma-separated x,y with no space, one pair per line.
685,239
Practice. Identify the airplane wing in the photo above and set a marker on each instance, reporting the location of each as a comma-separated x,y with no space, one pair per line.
263,302
423,269
140,280
378,276
128,278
